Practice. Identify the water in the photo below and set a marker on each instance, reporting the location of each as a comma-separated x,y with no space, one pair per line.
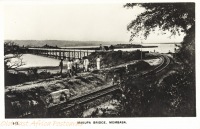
162,48
82,46
37,61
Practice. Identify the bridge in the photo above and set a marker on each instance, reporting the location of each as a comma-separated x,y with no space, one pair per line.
60,53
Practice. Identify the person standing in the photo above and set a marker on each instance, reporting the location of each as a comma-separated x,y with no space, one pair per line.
61,66
86,63
69,68
76,63
73,67
81,65
98,63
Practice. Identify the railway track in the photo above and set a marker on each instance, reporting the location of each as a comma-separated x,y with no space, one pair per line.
55,109
165,62
82,99
97,94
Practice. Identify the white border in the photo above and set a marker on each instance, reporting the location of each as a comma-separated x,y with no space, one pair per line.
133,123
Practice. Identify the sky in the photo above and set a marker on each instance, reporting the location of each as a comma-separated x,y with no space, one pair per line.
79,22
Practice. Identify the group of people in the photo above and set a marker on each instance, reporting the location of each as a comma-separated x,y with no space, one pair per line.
73,65
70,65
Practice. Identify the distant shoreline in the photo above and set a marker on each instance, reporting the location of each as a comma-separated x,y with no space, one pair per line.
98,48
117,46
69,43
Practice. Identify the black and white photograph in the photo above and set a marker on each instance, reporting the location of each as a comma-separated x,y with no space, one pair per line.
99,60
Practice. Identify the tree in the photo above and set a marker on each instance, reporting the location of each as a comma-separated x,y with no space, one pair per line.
174,17
111,47
176,94
12,59
11,51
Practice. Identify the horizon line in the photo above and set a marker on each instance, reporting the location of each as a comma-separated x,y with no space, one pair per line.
92,41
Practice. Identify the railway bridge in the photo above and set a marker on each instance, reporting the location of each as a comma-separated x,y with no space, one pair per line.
60,53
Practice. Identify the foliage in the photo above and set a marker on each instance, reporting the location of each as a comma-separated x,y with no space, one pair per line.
180,93
11,48
174,17
142,97
113,58
19,103
77,111
175,96
20,77
12,51
186,53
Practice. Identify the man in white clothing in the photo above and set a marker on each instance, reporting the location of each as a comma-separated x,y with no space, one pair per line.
98,63
86,63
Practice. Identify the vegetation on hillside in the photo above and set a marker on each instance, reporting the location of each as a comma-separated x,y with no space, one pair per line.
174,93
114,58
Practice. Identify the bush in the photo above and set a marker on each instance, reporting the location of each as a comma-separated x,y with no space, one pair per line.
14,79
113,58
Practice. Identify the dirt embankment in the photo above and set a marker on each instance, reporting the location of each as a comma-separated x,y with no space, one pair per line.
83,82
78,85
29,95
